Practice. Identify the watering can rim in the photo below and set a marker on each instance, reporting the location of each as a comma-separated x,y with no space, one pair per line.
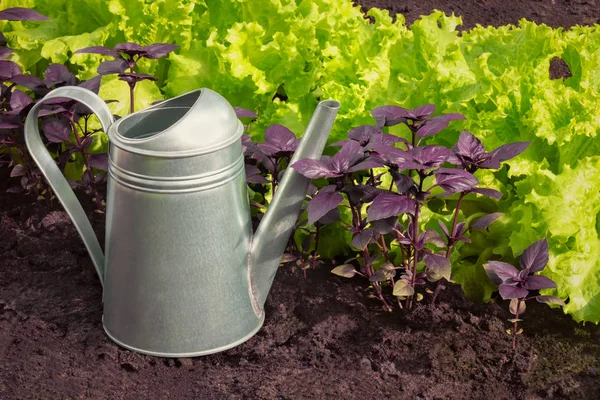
131,144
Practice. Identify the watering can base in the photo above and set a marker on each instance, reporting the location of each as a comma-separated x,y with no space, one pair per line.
191,353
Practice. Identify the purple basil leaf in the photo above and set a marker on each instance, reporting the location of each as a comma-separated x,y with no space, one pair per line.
444,228
92,84
388,205
21,14
363,133
130,48
485,221
386,139
389,115
460,229
99,50
550,300
321,204
350,154
339,143
455,180
537,282
8,69
18,170
489,162
367,164
9,125
384,226
431,156
254,175
510,150
488,192
447,117
313,169
423,112
243,113
19,100
330,217
512,292
56,130
159,50
431,128
58,74
112,67
437,267
281,138
28,81
5,52
403,182
535,257
431,236
52,111
500,272
469,146
362,239
99,161
132,77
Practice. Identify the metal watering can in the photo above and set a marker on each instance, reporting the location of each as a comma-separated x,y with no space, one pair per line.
183,274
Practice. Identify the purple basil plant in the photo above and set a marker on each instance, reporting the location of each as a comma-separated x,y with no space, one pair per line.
419,173
126,57
520,286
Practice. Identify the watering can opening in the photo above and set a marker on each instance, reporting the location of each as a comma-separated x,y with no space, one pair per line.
157,119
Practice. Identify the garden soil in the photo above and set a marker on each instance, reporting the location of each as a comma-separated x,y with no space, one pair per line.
323,338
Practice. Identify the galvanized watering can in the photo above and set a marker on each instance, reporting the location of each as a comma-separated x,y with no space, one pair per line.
183,273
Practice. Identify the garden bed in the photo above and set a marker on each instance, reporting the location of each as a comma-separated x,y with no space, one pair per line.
322,338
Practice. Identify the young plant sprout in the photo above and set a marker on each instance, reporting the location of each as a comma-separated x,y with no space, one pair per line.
520,286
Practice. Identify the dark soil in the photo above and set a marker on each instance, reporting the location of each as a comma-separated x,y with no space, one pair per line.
554,13
324,337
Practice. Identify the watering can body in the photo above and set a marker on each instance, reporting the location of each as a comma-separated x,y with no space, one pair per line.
183,273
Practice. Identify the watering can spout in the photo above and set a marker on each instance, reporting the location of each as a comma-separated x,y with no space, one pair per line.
273,233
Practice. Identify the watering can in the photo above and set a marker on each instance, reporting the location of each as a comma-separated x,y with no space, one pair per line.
183,274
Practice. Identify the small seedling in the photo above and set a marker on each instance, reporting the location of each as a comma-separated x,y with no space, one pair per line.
520,286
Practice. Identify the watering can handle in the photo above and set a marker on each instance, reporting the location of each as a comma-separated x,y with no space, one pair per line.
54,176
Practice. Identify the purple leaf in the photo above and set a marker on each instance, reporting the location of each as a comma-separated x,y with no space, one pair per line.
389,115
537,282
430,128
254,175
52,111
444,228
362,239
535,257
112,67
438,267
99,161
58,73
550,300
488,192
130,48
321,204
500,272
243,113
313,169
56,130
367,164
388,205
469,146
512,292
455,180
159,50
5,52
508,151
423,112
9,69
386,139
403,182
384,226
430,156
28,81
364,133
489,162
19,100
9,125
99,50
350,154
18,170
131,77
431,236
21,14
92,84
485,221
330,217
281,139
